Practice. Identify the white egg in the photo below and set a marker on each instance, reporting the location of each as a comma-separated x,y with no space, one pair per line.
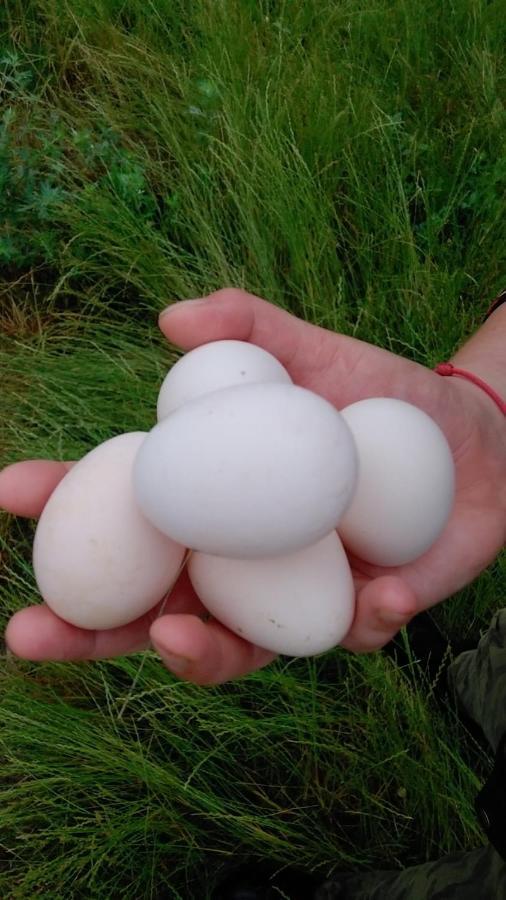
249,471
406,482
98,562
214,366
299,604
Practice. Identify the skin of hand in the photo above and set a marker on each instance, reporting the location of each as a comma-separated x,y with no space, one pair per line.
343,370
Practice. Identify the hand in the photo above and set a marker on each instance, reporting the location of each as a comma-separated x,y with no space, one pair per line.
343,370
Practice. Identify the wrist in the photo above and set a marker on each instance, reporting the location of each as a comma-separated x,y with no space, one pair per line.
480,408
448,369
485,357
472,393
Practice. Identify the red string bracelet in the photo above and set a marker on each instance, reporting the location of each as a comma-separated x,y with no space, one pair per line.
499,300
449,369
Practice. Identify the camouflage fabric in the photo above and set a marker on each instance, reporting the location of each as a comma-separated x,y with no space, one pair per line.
480,875
478,679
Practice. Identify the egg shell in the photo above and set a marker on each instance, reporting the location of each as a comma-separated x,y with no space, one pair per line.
406,482
98,562
214,366
250,471
299,604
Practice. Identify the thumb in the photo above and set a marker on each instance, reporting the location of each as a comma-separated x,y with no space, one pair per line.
232,314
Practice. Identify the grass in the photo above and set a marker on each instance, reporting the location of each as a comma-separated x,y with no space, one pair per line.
345,161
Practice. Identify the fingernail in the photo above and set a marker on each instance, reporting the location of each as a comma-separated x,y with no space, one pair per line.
177,664
198,301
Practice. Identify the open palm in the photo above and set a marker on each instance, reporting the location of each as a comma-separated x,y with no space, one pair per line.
343,370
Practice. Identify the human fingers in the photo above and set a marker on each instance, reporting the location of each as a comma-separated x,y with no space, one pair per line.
36,633
340,368
208,653
384,606
25,487
232,314
205,652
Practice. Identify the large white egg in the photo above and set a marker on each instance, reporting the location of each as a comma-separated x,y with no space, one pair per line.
98,562
249,471
406,482
217,365
299,604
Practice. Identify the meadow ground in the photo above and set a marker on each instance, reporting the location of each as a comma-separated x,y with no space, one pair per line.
344,160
